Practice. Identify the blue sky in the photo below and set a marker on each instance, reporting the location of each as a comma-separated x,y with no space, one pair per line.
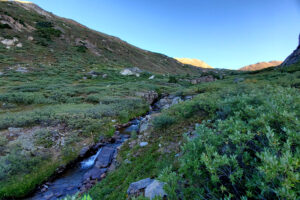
223,33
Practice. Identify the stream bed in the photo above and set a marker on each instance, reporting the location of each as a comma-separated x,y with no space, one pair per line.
84,173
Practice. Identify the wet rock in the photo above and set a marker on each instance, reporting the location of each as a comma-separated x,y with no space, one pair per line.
136,187
83,151
143,144
94,173
105,157
155,189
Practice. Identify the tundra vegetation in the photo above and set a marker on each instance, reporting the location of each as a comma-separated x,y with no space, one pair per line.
238,138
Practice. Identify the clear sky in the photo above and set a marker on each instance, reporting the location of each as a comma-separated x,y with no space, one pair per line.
223,33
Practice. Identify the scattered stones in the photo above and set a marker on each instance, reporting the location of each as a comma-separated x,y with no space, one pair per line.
168,101
155,189
9,42
143,144
131,71
94,173
203,79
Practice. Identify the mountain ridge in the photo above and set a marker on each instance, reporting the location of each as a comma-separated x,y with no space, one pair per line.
260,65
194,62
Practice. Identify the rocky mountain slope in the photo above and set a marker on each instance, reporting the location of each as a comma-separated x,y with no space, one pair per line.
194,62
260,65
294,57
29,34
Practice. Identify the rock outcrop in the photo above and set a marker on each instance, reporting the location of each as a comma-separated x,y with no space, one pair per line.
294,57
131,71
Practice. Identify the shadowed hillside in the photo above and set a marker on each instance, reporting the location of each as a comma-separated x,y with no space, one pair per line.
30,35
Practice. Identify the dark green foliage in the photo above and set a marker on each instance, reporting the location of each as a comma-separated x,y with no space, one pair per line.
4,26
81,48
253,151
172,79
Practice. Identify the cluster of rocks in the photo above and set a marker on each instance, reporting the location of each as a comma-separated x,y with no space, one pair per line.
147,187
89,45
203,79
94,74
14,24
134,71
170,100
11,42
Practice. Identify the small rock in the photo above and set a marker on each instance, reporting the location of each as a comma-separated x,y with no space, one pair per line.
238,80
30,38
151,77
105,157
143,144
104,76
19,45
1,73
83,151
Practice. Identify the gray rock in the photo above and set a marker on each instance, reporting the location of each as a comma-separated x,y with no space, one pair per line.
105,157
238,80
1,73
22,69
176,100
136,187
131,71
294,57
83,151
149,96
144,124
143,144
94,173
155,189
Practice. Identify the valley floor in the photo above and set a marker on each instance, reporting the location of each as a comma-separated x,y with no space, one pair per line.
237,138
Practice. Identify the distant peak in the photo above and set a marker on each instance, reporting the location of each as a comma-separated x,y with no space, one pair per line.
194,62
261,65
19,1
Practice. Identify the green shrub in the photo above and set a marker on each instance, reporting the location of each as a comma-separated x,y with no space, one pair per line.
163,121
253,152
44,137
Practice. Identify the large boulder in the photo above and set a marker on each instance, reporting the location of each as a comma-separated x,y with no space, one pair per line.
294,57
203,79
131,71
149,96
105,157
155,189
150,188
136,188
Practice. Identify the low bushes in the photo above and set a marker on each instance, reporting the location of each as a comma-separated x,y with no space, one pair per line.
252,152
